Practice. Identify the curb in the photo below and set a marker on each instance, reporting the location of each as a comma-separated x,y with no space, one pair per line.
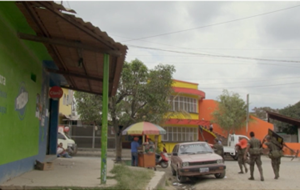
158,180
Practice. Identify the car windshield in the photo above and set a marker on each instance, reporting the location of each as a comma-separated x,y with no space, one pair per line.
199,148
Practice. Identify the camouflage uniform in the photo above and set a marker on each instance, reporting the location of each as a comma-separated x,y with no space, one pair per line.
219,150
255,154
275,155
241,160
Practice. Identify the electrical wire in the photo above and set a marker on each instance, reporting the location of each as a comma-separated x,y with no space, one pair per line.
274,85
220,23
213,55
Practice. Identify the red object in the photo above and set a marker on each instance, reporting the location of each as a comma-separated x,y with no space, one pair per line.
242,143
55,92
66,129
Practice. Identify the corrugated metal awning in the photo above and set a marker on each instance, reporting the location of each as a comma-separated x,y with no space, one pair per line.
76,47
282,118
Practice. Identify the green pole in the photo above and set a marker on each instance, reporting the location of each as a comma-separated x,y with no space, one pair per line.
104,118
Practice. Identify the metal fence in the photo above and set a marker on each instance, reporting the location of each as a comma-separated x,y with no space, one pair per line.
89,136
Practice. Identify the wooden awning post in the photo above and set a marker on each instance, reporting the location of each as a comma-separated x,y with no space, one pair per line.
143,143
156,138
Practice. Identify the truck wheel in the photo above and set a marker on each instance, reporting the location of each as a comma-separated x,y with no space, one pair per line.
235,157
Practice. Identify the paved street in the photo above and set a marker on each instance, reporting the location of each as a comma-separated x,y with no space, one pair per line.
289,178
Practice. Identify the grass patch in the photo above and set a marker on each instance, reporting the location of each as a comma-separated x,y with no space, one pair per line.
128,178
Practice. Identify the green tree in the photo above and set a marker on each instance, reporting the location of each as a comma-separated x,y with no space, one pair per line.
231,112
260,112
142,94
89,107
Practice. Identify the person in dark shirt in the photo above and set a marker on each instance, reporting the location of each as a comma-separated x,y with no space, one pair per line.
134,151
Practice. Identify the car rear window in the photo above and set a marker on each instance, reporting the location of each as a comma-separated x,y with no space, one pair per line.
199,148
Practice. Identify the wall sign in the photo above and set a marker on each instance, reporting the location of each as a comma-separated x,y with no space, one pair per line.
55,92
21,101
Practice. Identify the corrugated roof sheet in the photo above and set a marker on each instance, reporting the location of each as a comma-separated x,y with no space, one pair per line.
77,47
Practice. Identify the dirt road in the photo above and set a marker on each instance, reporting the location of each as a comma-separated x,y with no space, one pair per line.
289,178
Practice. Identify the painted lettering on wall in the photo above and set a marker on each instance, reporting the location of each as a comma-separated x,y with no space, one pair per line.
21,102
2,80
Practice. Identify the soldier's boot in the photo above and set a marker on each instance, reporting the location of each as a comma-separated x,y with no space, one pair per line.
261,174
251,173
241,168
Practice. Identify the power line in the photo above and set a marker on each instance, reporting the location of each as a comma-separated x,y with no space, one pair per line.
256,86
220,23
212,55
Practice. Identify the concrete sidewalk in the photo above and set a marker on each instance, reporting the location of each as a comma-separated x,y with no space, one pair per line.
77,172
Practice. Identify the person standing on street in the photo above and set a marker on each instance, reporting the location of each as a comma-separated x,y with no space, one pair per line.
134,151
241,148
219,149
254,147
275,153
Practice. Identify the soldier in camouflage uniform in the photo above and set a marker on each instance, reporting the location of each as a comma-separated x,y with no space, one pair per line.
241,160
254,148
219,149
275,153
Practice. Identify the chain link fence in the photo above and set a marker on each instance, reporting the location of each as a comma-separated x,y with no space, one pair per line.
89,136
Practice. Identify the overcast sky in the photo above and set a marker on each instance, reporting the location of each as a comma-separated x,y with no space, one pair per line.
245,47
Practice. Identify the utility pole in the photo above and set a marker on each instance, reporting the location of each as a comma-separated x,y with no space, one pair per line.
247,120
104,119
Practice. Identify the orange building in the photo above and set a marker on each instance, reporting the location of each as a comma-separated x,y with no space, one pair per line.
191,117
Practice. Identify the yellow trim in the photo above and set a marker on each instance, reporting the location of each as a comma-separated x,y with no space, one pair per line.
182,84
193,116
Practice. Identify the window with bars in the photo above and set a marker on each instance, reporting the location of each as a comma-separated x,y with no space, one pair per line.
179,103
180,134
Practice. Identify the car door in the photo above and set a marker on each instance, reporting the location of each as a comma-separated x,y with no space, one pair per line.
174,156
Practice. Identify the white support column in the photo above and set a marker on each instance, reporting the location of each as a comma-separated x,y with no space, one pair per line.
298,134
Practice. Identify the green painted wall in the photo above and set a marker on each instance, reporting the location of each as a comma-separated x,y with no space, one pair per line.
20,73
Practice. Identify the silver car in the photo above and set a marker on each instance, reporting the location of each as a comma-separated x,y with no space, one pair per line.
194,159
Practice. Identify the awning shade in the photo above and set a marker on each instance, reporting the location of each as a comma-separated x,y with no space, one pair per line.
76,47
283,118
189,91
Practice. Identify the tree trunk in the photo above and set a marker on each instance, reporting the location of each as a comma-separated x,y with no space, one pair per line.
118,144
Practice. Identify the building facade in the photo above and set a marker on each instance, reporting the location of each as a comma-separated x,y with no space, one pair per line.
192,116
34,58
25,107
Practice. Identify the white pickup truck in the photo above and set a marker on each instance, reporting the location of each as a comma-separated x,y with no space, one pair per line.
233,139
68,144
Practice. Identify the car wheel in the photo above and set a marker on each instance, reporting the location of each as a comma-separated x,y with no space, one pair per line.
220,175
173,171
180,178
164,164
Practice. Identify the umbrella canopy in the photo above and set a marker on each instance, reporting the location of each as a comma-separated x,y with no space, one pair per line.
144,128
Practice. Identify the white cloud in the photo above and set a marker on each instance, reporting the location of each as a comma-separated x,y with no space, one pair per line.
271,36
